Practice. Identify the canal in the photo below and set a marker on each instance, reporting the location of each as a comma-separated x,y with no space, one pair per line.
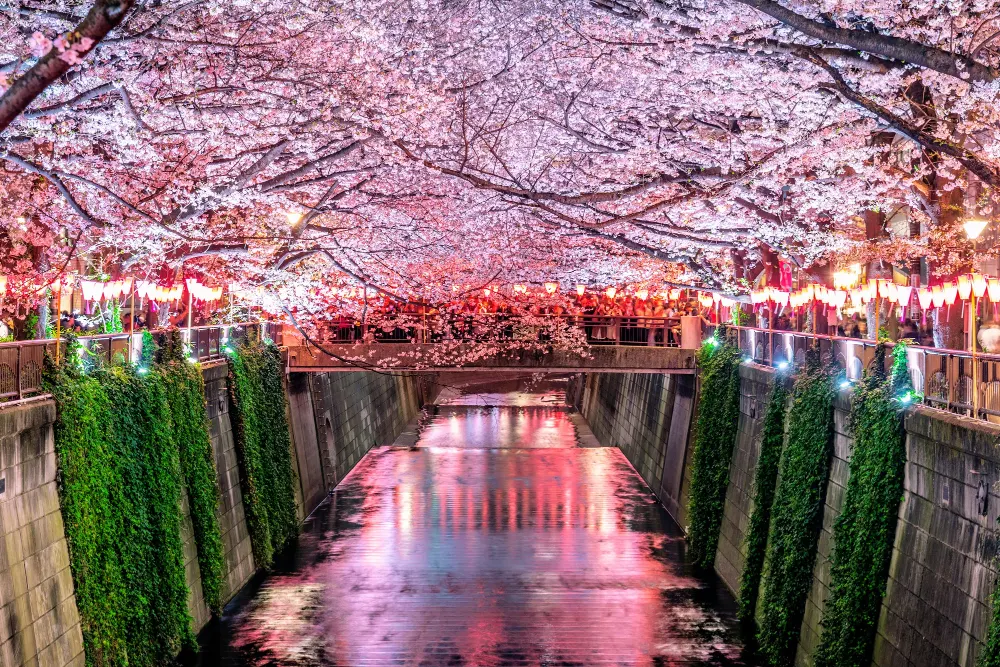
501,537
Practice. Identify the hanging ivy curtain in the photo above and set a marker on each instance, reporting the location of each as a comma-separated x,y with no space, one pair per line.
264,447
866,528
715,437
797,514
765,479
120,488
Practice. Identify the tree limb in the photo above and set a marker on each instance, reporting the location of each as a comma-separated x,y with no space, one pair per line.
887,46
100,20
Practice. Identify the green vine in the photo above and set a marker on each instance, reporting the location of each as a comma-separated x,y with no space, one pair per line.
765,480
264,447
990,654
185,387
796,514
715,436
120,488
864,532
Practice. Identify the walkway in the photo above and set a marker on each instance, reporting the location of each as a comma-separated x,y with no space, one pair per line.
496,540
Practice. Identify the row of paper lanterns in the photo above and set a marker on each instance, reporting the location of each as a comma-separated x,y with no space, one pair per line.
936,296
94,290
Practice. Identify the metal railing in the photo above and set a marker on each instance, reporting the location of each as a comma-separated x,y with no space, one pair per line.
21,362
943,377
598,329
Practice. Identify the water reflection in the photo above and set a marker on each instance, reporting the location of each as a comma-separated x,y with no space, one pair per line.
495,541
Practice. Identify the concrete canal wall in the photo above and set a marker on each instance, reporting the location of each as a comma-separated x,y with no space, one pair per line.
39,623
936,608
334,420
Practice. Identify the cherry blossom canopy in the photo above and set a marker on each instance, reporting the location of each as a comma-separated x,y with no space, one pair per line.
412,145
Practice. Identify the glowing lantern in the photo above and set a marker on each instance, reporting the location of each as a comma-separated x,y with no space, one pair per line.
551,287
293,218
674,294
580,289
994,290
642,294
903,293
839,298
3,285
950,291
780,298
978,285
889,291
964,287
974,227
705,300
924,296
611,291
486,292
937,296
856,296
520,289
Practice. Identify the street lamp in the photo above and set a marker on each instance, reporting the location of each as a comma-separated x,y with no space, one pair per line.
973,228
294,218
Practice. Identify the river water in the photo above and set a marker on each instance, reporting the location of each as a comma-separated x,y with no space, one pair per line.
497,540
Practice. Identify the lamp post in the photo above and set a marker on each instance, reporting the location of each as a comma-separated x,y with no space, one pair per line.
973,228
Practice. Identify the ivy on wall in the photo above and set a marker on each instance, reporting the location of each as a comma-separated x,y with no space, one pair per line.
120,488
264,447
990,655
185,388
715,437
796,515
864,532
764,482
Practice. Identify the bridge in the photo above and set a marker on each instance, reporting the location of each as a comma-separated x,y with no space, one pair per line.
303,357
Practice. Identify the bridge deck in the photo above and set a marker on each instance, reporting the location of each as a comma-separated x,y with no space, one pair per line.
420,356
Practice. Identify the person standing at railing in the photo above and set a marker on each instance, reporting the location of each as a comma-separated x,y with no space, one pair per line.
656,327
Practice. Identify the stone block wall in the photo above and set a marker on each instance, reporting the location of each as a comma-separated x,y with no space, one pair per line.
755,391
355,411
836,487
936,609
39,621
632,411
937,604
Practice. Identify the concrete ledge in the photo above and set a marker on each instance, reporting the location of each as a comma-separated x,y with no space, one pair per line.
974,436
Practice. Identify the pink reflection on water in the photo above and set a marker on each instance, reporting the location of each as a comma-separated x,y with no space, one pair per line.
481,428
448,554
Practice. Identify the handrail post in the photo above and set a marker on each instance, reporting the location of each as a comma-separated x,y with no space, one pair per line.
17,372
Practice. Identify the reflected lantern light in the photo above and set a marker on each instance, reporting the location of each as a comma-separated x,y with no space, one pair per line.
580,289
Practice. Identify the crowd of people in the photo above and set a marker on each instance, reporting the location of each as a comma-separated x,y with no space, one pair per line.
631,318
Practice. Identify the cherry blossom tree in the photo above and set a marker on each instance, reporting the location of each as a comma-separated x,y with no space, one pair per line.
410,146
